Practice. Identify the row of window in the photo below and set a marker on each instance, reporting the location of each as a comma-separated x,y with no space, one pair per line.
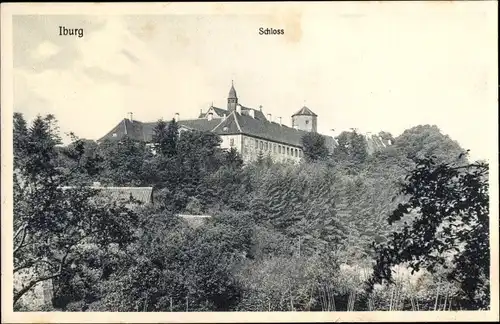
277,148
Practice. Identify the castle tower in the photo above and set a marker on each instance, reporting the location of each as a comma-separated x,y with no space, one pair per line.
305,120
232,99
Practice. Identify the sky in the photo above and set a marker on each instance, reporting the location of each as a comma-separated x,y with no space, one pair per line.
371,66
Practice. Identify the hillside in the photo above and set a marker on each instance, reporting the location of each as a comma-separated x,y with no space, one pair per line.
281,237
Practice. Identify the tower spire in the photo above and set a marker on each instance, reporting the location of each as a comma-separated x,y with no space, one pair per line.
232,99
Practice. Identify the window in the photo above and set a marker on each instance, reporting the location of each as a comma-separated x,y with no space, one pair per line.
261,145
225,129
287,151
256,144
231,142
114,135
266,148
300,153
274,148
307,122
296,152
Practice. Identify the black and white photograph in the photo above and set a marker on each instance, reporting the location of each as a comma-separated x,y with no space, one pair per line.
331,161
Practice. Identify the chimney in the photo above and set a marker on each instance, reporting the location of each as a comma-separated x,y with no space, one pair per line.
210,116
269,117
176,117
251,112
201,111
224,116
260,107
130,115
238,109
279,120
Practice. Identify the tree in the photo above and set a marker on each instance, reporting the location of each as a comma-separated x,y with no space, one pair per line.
424,141
123,162
176,268
51,223
447,213
80,161
352,147
233,159
165,137
314,147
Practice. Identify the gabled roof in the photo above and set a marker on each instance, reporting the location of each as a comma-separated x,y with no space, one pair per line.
258,114
127,127
203,125
218,111
235,123
241,123
304,111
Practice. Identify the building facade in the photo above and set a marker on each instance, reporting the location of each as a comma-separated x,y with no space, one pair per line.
248,130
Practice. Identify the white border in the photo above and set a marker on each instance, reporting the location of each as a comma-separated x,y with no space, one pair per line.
7,10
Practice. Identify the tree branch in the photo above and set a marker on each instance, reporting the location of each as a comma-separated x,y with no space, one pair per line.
23,238
33,282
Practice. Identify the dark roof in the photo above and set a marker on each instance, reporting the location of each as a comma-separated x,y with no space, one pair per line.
218,111
258,114
234,123
142,194
232,93
127,127
305,112
200,124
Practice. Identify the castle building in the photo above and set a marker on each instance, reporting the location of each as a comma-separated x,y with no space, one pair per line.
248,130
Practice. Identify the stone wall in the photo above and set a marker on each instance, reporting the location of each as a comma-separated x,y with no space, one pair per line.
37,297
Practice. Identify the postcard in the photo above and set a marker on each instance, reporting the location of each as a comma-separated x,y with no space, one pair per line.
249,162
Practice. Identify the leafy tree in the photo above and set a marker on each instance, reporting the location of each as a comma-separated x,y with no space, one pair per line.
424,141
176,268
165,137
80,161
314,147
351,147
123,162
52,223
448,206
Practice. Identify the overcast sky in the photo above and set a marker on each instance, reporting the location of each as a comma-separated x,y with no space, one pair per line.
369,66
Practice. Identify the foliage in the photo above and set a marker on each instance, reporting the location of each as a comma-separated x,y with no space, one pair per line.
314,147
450,228
51,222
281,237
123,162
352,147
165,137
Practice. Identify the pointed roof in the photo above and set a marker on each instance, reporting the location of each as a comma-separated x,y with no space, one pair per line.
304,111
232,92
